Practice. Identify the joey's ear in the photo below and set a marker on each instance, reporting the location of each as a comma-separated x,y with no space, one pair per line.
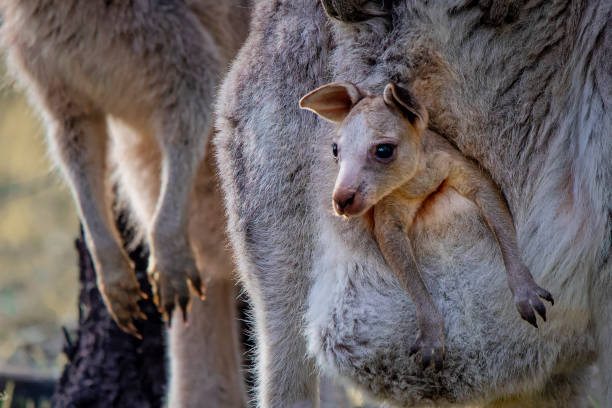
332,101
402,99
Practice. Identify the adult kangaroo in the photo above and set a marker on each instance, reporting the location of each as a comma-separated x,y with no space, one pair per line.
126,91
530,100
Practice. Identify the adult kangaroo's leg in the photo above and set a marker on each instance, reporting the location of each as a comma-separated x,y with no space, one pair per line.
273,257
270,217
172,263
78,139
206,353
182,123
205,362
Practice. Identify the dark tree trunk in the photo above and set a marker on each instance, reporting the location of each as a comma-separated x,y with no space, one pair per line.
107,367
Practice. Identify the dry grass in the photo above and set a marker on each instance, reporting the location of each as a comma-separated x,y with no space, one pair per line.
38,223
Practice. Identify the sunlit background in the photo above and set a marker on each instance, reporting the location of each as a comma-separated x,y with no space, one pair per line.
38,224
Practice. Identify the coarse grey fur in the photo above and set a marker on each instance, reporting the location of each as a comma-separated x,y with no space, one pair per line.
530,100
126,92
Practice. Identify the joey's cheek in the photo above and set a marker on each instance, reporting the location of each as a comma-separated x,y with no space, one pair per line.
368,202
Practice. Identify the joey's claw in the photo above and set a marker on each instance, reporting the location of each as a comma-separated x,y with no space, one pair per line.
544,294
526,312
539,307
432,350
426,358
433,357
527,296
430,356
438,360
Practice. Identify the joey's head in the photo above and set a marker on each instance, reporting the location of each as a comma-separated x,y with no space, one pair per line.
377,144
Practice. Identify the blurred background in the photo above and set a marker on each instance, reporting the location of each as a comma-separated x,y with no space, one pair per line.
38,225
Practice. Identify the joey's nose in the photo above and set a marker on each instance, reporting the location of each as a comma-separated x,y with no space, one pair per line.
345,201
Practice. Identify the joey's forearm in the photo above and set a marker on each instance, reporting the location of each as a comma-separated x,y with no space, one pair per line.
499,219
471,183
397,251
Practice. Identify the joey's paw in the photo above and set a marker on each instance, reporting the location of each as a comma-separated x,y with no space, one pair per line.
499,11
121,298
527,299
431,348
170,278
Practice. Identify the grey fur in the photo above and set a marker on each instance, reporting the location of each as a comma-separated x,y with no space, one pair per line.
529,100
127,87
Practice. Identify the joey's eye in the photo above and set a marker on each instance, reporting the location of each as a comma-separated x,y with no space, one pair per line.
335,150
384,151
